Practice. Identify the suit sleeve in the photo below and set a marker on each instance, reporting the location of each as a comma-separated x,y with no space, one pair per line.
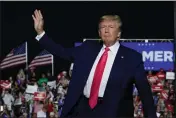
144,89
57,50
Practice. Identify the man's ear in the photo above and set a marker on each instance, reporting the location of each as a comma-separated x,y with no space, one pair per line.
119,34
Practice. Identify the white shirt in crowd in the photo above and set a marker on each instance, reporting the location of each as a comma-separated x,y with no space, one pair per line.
41,114
8,100
18,101
111,56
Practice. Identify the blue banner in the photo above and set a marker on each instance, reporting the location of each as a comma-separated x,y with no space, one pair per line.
155,55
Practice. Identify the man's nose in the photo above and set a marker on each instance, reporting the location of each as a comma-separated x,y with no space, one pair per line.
106,30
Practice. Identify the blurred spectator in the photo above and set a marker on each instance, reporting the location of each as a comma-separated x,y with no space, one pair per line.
21,76
50,107
38,105
42,113
50,77
8,99
42,80
49,94
18,104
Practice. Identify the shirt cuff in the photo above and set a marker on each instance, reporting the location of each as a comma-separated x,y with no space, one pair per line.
38,37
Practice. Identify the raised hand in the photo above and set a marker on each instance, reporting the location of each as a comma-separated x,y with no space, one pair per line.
38,21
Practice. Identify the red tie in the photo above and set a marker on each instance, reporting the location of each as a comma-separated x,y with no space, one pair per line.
97,79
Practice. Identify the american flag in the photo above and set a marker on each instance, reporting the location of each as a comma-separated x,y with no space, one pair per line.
15,57
43,58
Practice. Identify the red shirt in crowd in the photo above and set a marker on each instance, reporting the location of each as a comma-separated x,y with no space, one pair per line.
50,107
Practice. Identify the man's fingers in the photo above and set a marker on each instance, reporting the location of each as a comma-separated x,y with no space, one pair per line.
40,14
36,15
33,17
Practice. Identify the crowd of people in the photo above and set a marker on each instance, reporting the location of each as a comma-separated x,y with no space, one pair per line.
33,97
44,97
163,95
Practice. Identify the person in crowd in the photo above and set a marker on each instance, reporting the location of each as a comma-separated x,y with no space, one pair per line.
8,99
52,115
42,80
49,94
18,104
21,76
42,113
50,107
38,105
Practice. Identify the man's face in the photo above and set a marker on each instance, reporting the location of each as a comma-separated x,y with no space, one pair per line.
43,75
109,30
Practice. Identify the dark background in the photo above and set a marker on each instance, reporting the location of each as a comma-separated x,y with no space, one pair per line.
69,22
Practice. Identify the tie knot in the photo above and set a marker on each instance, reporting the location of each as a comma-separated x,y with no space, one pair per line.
107,49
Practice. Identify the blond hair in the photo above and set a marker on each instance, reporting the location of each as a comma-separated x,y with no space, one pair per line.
112,18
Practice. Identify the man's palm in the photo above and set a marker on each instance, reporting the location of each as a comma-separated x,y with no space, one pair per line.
38,21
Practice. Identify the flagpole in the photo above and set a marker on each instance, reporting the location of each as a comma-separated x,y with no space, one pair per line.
26,61
52,65
26,55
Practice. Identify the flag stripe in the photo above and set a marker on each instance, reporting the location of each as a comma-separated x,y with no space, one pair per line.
43,56
42,59
23,57
40,64
12,57
47,57
15,57
12,64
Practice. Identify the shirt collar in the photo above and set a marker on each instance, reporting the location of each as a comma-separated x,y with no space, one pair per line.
114,47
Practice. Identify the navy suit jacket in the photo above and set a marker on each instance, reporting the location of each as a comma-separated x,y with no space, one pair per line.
127,69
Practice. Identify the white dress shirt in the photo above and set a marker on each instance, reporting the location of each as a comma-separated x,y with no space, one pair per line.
110,60
38,37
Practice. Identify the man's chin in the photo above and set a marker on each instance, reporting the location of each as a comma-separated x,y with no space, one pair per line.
107,40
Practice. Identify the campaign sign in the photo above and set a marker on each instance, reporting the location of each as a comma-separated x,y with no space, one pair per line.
155,55
39,96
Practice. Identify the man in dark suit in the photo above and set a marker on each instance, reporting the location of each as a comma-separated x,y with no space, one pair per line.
103,73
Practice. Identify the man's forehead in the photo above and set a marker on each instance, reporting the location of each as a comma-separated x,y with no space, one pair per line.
108,22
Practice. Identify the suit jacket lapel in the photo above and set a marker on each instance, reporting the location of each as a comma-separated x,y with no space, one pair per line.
92,55
88,62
